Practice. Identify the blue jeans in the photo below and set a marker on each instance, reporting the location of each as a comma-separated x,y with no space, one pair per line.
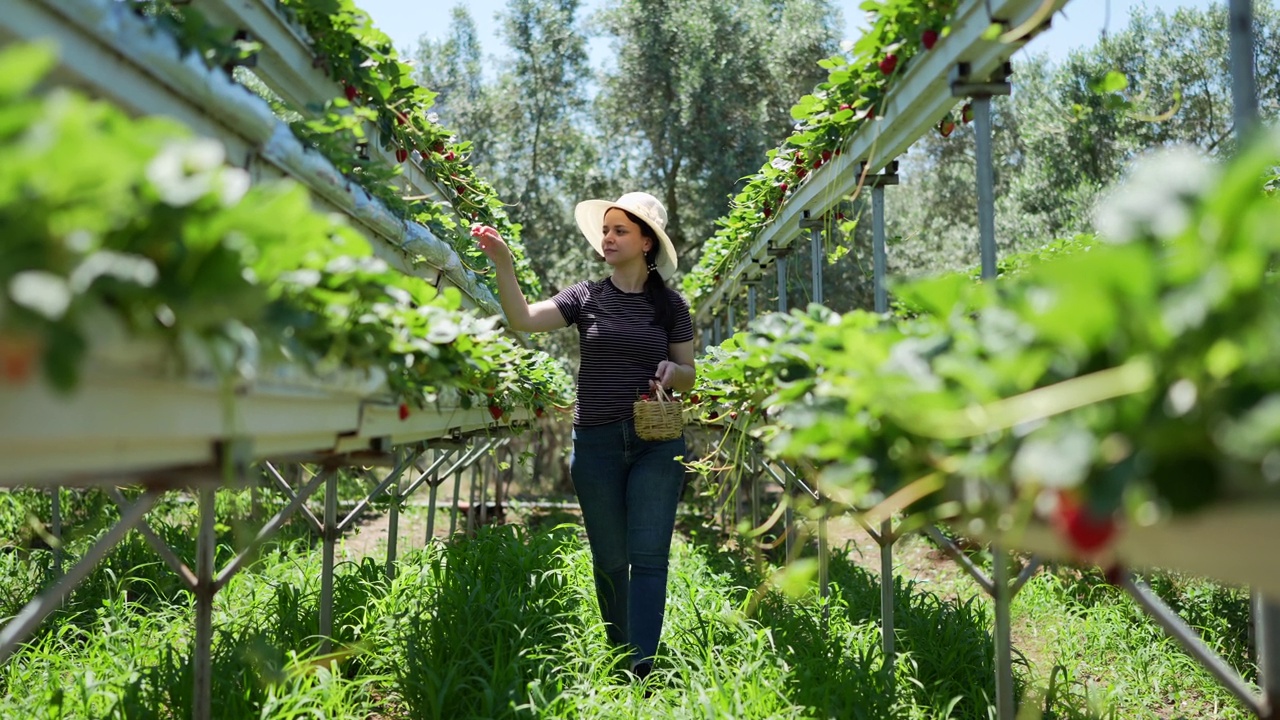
628,489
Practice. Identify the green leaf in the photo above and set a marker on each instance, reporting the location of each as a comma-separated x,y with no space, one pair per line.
23,66
1114,81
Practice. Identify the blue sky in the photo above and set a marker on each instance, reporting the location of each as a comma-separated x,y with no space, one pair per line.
1080,24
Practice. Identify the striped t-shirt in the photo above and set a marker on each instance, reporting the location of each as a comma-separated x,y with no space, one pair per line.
620,346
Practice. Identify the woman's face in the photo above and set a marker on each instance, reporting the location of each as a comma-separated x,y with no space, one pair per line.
623,242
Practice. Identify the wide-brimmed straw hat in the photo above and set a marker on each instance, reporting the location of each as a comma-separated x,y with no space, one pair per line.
590,217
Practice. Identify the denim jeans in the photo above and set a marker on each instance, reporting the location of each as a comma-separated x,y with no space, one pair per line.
628,489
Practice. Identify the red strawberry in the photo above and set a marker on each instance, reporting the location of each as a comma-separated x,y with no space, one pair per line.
946,127
400,120
438,147
1115,574
401,154
18,354
783,188
889,64
404,411
350,91
539,412
800,173
966,113
846,106
767,211
929,38
496,412
837,152
449,156
826,155
694,399
1086,532
817,163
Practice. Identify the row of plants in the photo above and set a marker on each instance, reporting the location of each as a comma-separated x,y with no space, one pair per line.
504,625
132,228
1100,382
380,102
849,102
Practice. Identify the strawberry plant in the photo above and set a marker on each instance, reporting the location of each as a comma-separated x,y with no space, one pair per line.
1095,381
847,103
134,228
378,95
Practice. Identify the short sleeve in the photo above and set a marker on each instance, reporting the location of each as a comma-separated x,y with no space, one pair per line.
569,301
682,328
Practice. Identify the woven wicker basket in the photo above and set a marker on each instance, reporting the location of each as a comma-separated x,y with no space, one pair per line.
659,419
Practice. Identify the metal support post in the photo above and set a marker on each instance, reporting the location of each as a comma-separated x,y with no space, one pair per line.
481,467
1178,629
962,85
715,330
471,501
20,626
393,528
202,653
457,490
782,283
55,529
433,485
1266,633
1003,633
329,537
751,303
1244,91
731,323
824,575
887,645
878,253
817,253
986,187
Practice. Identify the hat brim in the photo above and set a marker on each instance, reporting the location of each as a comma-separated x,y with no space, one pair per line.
590,217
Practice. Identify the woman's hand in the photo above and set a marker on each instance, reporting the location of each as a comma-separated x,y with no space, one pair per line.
665,375
491,243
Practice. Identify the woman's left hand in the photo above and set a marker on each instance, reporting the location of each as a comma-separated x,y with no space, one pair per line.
664,375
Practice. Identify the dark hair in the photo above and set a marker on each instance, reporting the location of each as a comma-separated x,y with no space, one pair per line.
655,288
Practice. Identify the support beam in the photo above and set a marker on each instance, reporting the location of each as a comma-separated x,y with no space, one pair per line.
782,283
1244,90
817,254
1003,633
886,538
55,529
34,612
202,653
1178,629
963,85
1266,633
879,251
329,537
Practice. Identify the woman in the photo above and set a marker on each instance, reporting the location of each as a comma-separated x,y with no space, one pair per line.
635,334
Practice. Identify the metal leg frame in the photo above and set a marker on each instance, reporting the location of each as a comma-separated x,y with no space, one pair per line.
1260,705
1266,632
885,538
34,612
1002,592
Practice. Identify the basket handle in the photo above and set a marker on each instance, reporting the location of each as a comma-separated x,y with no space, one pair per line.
661,395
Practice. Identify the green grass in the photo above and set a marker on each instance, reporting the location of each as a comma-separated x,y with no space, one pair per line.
505,625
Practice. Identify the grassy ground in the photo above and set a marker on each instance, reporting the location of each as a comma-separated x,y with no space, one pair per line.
505,625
